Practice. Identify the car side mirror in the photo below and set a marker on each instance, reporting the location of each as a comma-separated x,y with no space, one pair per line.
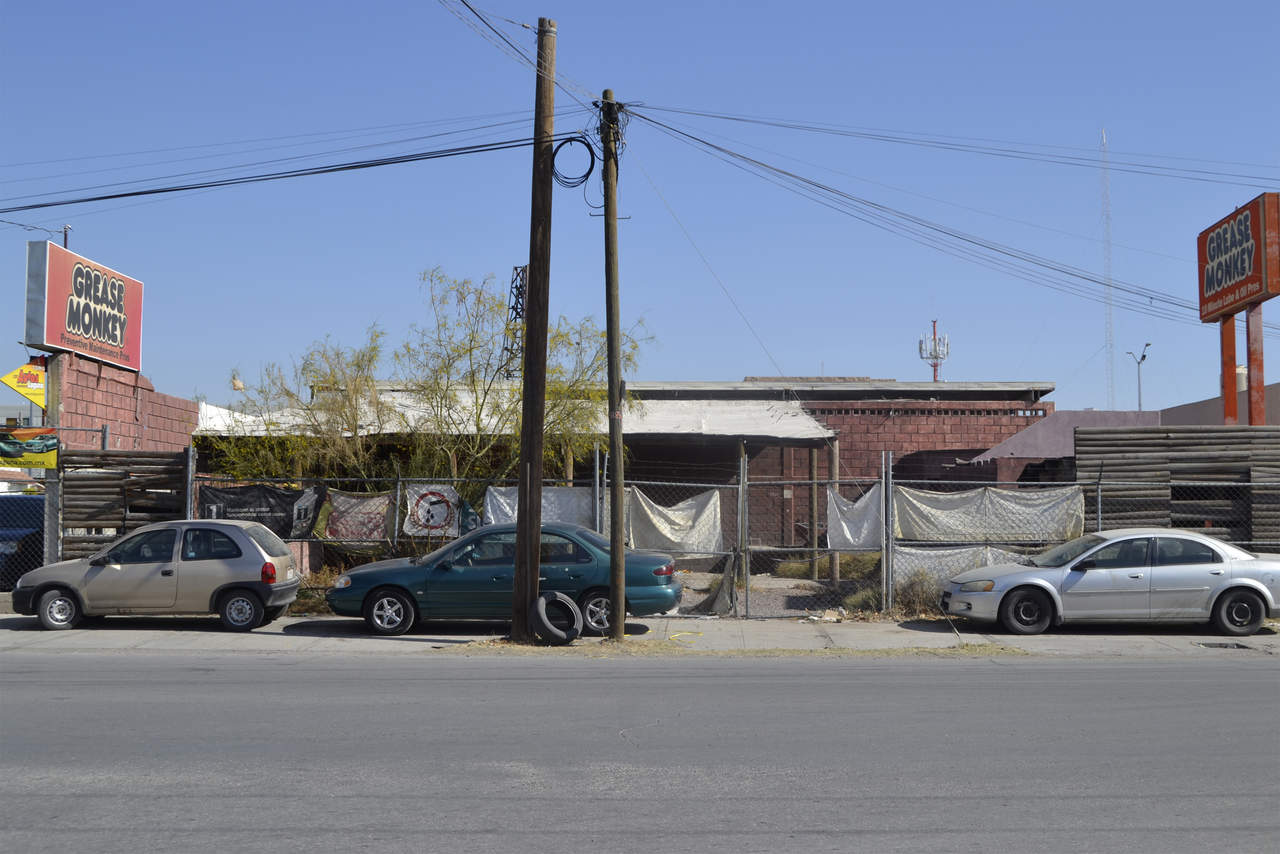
100,560
445,564
1084,564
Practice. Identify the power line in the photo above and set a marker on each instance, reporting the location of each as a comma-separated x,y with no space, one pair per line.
1019,263
295,173
1004,149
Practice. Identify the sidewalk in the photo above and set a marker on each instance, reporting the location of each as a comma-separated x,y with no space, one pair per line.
656,636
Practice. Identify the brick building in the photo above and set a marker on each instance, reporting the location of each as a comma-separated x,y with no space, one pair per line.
136,416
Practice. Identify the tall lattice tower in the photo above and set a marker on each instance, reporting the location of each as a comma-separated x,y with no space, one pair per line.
934,350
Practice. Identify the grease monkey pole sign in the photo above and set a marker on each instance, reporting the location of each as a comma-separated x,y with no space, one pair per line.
1239,268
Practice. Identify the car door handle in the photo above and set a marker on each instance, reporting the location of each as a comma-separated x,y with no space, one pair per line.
1135,575
166,572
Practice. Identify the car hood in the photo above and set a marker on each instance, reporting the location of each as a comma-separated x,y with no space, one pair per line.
996,570
376,566
63,570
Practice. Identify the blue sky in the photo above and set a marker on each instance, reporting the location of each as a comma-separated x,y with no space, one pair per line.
731,274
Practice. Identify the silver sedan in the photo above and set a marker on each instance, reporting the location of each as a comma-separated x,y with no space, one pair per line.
1138,574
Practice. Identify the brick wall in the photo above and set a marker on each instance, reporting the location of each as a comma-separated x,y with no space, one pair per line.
866,428
138,417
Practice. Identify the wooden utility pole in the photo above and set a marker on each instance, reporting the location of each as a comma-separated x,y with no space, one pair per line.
609,132
529,511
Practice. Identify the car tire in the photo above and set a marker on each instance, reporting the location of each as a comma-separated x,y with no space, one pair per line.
1238,612
596,606
1026,611
389,612
240,611
555,619
59,610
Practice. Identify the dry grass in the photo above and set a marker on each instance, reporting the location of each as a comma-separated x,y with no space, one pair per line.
310,601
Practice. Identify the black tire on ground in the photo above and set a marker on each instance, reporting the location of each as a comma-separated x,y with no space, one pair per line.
555,619
1238,612
273,613
240,610
389,611
1026,611
595,607
59,610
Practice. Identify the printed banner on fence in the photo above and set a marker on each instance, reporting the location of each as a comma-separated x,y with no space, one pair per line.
559,504
436,510
29,447
355,517
289,513
690,528
989,514
857,524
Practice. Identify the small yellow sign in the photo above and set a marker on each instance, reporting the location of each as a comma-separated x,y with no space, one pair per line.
27,381
29,447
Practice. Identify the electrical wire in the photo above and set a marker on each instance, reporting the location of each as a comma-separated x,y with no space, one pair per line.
294,173
1003,258
1006,150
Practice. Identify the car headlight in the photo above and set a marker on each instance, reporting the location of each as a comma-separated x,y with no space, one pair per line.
977,586
341,581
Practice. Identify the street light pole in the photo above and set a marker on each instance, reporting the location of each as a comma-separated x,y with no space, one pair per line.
1139,360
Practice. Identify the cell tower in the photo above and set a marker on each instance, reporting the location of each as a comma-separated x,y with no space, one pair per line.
935,350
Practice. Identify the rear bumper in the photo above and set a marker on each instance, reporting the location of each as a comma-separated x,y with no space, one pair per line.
642,601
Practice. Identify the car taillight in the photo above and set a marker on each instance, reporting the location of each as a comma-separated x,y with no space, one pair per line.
268,573
669,569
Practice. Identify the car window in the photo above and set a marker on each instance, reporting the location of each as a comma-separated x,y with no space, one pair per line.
267,540
1124,553
488,550
208,544
149,547
557,549
1063,554
1175,550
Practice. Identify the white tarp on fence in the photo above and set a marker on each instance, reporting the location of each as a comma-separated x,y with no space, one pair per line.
571,504
436,510
854,524
989,514
692,527
689,528
941,564
973,515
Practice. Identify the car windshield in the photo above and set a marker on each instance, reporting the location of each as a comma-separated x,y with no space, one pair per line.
431,556
1068,551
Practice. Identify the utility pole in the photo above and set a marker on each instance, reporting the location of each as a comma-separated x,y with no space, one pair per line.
609,132
529,511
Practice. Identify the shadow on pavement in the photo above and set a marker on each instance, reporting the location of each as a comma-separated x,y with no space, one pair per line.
443,631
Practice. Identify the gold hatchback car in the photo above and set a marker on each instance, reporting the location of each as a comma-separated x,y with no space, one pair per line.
240,571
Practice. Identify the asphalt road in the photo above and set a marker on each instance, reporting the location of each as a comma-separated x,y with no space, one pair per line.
132,752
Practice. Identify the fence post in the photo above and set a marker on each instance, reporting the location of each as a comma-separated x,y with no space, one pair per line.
834,484
106,435
1098,500
744,530
595,484
395,517
886,552
189,499
813,513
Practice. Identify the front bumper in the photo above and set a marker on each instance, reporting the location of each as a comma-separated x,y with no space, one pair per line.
345,602
24,601
975,605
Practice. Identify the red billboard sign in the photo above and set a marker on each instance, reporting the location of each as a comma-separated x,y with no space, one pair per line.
1239,258
80,306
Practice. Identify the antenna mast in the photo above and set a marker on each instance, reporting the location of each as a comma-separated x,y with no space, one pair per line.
1106,271
935,350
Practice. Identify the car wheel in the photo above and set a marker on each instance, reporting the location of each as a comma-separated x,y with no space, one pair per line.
1238,612
59,610
595,607
1026,611
555,619
240,611
389,612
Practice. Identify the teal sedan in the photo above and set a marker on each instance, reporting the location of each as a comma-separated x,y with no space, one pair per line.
473,578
